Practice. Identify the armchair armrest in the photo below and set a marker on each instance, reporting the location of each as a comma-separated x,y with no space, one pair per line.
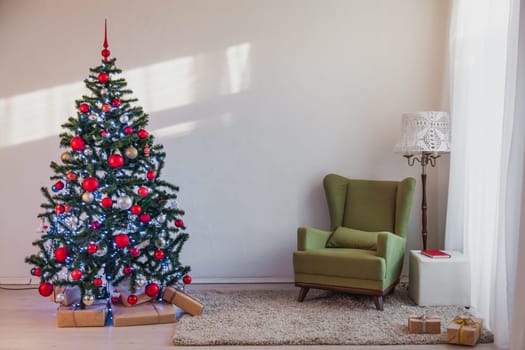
311,238
391,247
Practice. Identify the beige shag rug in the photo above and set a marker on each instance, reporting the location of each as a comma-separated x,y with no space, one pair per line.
274,317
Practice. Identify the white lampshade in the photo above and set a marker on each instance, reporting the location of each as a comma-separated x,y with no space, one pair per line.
424,132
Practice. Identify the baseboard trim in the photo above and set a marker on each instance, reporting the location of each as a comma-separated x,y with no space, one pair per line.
196,280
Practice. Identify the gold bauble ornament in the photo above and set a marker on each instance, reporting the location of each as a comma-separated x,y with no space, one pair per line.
88,299
65,156
88,197
131,152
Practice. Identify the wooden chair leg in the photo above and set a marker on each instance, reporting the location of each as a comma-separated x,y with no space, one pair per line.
302,293
378,301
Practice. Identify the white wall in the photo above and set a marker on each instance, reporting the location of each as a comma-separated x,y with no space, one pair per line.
254,101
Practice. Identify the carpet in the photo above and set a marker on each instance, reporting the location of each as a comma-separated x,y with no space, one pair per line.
274,317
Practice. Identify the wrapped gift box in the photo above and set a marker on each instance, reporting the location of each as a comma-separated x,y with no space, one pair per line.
71,295
124,290
464,330
92,316
424,324
146,313
187,303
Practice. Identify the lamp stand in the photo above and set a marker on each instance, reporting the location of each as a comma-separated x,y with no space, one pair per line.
424,159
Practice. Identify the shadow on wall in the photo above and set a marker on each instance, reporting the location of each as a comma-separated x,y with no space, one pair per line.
159,86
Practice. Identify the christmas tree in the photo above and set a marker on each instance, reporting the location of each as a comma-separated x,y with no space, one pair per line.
109,217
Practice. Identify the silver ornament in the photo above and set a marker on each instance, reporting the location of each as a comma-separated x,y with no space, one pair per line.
140,281
124,202
160,243
59,298
88,197
124,118
131,152
88,299
161,218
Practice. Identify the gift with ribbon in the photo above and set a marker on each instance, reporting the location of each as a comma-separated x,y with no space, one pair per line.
65,295
146,313
187,303
424,324
464,330
73,316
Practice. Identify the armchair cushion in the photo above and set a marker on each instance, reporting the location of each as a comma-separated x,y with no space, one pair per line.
344,237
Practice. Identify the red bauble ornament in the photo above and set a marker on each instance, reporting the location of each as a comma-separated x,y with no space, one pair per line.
77,143
145,218
116,102
84,108
67,208
159,254
106,107
152,290
106,202
116,161
103,77
92,248
90,184
151,174
136,209
45,289
142,133
36,271
186,279
132,299
105,53
71,176
122,240
127,270
115,300
59,209
95,225
104,133
179,223
134,252
143,191
97,281
76,274
128,130
61,254
59,185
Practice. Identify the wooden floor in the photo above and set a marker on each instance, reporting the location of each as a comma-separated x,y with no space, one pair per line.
27,321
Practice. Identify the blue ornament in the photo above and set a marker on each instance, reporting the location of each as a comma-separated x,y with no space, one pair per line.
54,188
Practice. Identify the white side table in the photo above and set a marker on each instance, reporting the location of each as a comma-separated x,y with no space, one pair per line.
439,281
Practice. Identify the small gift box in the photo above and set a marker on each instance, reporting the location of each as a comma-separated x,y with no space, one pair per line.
187,303
464,330
147,313
92,316
123,289
424,324
65,295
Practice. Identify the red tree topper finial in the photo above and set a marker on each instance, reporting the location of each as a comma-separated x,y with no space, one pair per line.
105,52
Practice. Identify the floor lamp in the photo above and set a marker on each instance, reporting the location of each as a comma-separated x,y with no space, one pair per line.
423,136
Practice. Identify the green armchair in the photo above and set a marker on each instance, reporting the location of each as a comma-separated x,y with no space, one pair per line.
364,251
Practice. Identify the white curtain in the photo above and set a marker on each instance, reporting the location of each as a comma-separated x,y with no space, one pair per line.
483,213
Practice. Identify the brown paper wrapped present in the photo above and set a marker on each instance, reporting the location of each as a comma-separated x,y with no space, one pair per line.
189,304
70,295
464,330
92,316
424,324
124,290
147,313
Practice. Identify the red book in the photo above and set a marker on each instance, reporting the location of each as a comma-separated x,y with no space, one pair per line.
439,254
